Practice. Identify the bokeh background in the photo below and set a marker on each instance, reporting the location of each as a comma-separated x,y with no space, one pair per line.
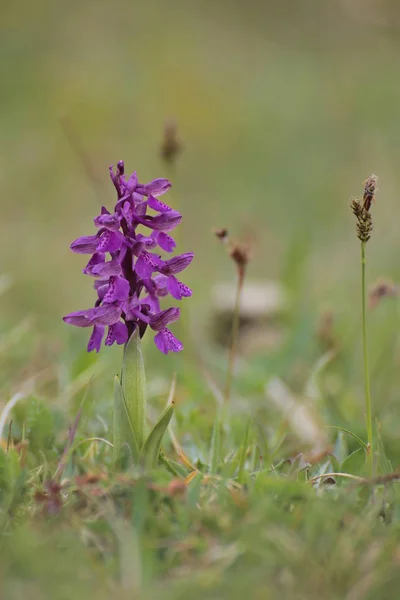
284,110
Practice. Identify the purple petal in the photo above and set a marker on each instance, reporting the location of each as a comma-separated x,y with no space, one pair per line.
85,245
149,241
154,188
140,209
110,241
117,333
96,338
125,209
177,264
116,178
153,303
81,318
146,264
135,314
101,286
96,260
166,242
108,314
100,315
118,289
164,318
161,285
166,342
164,222
121,252
177,289
108,221
155,204
106,269
112,174
132,183
138,248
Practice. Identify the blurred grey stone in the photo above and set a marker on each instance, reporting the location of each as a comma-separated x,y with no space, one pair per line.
262,304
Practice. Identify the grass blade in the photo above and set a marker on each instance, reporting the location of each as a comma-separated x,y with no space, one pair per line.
243,454
353,435
215,449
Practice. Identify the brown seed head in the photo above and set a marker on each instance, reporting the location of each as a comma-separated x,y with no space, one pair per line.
171,145
361,209
222,234
240,255
369,191
382,289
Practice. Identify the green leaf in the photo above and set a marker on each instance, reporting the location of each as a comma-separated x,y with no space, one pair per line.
354,463
149,453
174,467
133,380
123,430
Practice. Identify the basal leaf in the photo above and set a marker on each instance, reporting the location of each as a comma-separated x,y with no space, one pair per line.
133,380
123,430
149,453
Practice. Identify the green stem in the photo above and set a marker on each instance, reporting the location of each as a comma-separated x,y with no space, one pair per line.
368,411
234,337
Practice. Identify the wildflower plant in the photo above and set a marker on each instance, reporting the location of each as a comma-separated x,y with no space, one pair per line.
131,276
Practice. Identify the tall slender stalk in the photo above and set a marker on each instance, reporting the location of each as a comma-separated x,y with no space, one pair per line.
368,411
362,211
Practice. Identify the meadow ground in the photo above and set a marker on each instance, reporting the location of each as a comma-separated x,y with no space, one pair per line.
284,111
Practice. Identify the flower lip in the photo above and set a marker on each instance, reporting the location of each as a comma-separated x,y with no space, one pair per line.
96,338
155,204
117,332
167,342
110,241
166,242
177,289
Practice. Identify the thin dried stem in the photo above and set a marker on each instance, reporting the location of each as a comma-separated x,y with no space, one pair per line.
234,339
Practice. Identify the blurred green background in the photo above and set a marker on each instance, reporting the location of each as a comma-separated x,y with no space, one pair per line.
284,109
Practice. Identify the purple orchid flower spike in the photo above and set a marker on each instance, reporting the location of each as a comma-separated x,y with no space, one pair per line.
131,273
